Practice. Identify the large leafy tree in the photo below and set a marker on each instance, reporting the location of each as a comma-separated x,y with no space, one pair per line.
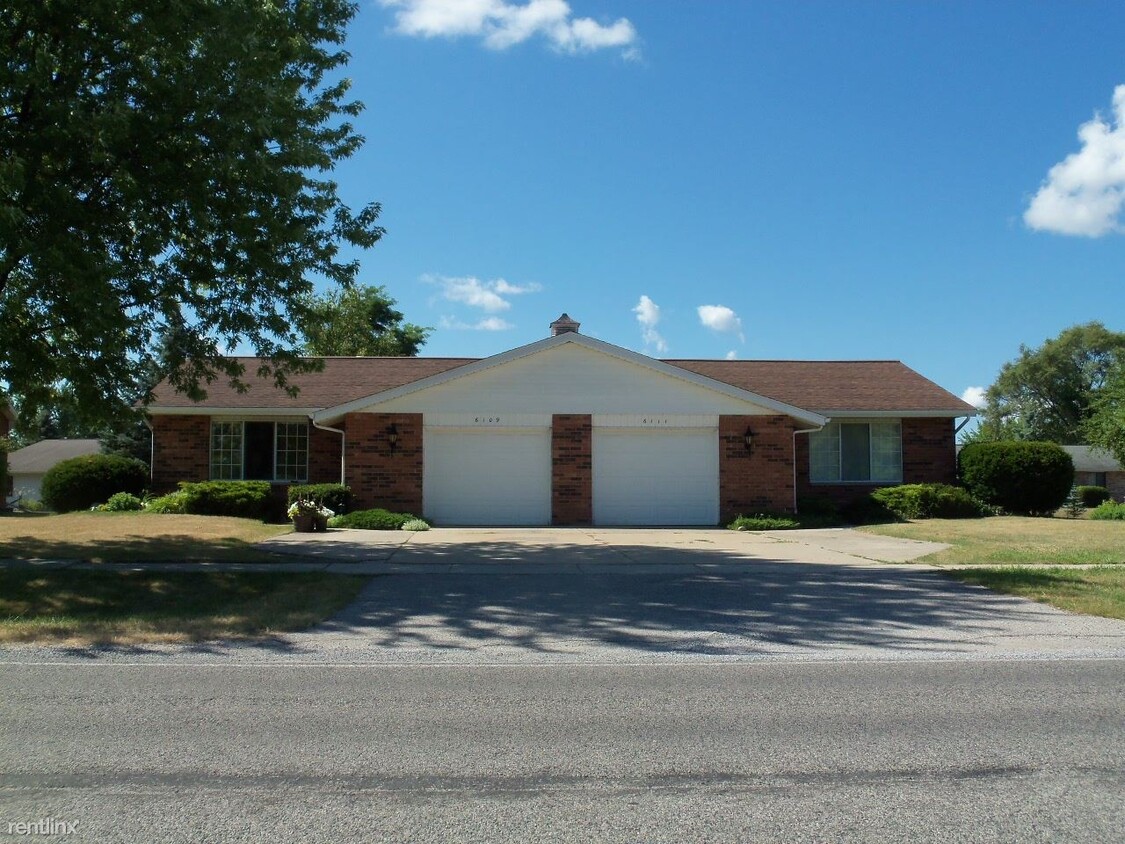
359,321
163,174
1106,425
1047,392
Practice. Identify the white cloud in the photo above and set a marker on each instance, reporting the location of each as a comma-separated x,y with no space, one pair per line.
732,355
486,295
485,324
975,396
648,315
722,319
1084,193
503,23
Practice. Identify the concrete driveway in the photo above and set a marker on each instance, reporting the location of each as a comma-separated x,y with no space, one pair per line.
589,550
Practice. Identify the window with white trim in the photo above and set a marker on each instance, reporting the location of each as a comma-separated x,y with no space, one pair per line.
856,452
259,451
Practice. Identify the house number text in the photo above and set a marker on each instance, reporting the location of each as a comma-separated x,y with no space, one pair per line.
486,420
655,421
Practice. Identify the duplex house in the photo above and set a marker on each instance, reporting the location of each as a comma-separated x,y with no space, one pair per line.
571,430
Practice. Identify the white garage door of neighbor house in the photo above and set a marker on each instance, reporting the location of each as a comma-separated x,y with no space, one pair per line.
487,476
656,477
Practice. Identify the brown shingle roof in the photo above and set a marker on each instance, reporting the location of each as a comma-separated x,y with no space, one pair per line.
811,385
824,386
342,380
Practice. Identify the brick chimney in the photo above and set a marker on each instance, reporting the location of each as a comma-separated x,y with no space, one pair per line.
564,325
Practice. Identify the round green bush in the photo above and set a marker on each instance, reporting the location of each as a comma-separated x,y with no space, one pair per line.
81,482
123,502
1024,478
1092,496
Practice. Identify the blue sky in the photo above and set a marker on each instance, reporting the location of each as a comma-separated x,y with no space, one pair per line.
827,180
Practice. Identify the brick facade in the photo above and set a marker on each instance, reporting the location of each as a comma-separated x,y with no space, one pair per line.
929,456
572,469
761,478
1114,482
324,456
181,450
378,476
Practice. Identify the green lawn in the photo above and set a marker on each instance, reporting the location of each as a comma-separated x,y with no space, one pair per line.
1016,540
83,607
135,537
1030,558
1099,591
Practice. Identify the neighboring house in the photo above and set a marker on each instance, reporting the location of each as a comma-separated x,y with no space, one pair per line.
28,465
570,430
1095,467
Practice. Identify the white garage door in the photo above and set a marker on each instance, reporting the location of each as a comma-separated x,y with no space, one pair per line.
487,476
656,477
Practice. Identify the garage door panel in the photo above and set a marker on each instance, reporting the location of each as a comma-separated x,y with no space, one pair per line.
656,477
487,476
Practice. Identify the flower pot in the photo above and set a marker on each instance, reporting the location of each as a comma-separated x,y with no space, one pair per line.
320,524
304,523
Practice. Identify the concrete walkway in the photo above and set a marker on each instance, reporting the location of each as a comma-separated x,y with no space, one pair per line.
554,550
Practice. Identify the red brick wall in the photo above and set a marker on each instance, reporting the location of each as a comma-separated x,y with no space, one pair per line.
181,447
572,469
324,456
761,479
378,477
1114,482
929,455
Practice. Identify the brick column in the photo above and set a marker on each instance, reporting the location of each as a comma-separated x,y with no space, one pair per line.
761,479
572,469
379,477
181,450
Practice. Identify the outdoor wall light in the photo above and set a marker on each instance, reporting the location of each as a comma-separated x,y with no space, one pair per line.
392,436
748,440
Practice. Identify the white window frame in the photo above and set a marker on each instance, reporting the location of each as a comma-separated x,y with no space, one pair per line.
835,428
241,423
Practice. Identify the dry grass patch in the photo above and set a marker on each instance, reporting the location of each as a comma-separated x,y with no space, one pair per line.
1098,591
1016,540
84,607
135,537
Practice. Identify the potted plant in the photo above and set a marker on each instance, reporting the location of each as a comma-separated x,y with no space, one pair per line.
309,516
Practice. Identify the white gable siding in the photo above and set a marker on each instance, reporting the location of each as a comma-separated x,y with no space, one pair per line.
568,379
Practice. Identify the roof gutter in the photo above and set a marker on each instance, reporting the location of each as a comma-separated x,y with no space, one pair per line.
315,424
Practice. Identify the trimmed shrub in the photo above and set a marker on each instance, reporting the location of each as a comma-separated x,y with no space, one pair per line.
81,482
867,510
243,499
1092,496
416,524
1109,511
173,503
764,521
1025,478
929,501
336,497
376,519
123,502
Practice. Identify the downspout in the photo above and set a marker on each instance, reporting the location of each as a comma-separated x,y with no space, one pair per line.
342,435
801,431
151,452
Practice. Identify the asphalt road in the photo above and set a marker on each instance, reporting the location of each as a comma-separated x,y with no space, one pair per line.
1005,750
